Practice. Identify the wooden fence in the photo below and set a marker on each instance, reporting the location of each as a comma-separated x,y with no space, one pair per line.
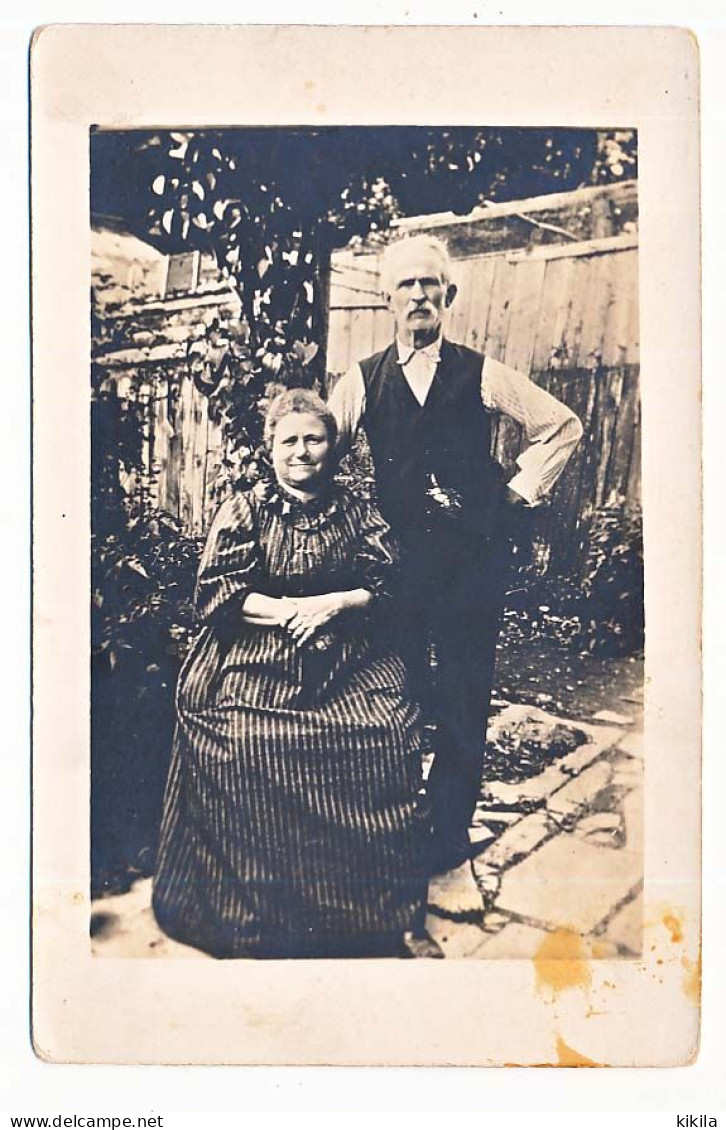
565,313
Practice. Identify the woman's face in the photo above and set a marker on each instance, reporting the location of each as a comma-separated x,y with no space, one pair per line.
300,451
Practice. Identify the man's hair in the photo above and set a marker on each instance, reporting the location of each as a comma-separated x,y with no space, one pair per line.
412,245
299,400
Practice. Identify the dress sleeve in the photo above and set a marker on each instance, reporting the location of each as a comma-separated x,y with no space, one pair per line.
230,565
377,555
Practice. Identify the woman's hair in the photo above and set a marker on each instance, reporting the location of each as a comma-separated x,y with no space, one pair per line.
409,246
299,400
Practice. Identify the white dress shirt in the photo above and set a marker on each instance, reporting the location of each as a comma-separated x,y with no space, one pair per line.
419,366
551,428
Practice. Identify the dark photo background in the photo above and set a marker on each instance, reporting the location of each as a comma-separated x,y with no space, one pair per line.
227,262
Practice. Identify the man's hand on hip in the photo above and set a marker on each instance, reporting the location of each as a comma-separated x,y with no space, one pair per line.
514,499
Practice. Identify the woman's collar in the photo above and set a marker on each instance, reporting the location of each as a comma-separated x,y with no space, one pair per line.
287,502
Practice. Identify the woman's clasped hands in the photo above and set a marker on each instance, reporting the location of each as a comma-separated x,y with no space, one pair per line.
303,617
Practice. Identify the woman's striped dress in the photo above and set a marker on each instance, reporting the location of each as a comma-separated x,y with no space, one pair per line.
292,822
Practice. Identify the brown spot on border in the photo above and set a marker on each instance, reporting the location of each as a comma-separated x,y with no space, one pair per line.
568,1057
560,962
674,924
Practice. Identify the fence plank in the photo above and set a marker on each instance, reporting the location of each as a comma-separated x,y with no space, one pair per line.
576,307
482,282
215,454
176,420
588,473
567,522
187,452
524,289
552,313
161,443
458,319
498,317
199,444
599,301
615,334
563,527
611,397
503,434
618,467
590,248
339,340
635,469
141,397
383,329
632,354
524,314
361,335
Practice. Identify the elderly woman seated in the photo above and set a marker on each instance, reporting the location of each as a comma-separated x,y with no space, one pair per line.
293,823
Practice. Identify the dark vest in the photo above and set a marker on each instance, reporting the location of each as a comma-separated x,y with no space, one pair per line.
449,438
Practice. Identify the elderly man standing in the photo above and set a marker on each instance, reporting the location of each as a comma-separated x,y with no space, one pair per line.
426,405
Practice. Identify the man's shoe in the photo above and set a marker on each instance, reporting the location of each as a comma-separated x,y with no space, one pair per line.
420,945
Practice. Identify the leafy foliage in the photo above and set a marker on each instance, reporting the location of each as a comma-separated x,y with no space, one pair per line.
524,747
142,581
603,613
143,570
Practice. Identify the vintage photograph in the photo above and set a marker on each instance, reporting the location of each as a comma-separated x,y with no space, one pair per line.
366,553
366,653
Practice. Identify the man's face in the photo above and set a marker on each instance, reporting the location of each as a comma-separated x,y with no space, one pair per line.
418,295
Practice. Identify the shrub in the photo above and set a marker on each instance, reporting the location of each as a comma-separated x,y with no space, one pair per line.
602,611
143,570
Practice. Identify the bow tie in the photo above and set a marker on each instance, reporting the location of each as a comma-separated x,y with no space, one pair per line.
430,351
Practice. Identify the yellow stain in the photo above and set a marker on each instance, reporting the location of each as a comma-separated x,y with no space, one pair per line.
568,1057
692,980
674,924
560,962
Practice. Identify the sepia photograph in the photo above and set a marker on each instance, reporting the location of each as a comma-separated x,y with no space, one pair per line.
366,609
366,543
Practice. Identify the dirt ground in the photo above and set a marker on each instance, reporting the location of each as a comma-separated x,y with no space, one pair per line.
575,685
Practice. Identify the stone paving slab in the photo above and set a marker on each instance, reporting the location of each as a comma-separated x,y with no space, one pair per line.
626,928
457,939
627,770
574,797
633,817
569,883
455,893
485,814
516,842
515,941
481,834
537,788
494,921
632,743
613,716
585,754
606,829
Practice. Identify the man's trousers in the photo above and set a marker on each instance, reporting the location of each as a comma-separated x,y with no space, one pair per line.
454,602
